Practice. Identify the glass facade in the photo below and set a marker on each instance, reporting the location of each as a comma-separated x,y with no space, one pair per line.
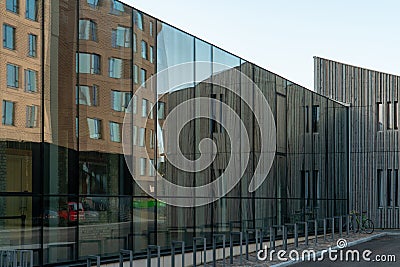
65,189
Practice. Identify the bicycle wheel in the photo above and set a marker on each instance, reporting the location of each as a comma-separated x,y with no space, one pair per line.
351,226
368,226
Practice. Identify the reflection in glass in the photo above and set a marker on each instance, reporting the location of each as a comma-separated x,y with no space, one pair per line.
87,30
30,81
12,5
8,37
31,9
80,195
121,37
32,39
94,128
8,113
31,116
12,76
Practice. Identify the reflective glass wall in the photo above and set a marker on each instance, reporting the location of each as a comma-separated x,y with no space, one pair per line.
66,190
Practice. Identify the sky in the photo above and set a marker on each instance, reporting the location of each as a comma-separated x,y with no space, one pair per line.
283,36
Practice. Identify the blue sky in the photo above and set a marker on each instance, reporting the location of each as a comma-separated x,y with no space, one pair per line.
283,36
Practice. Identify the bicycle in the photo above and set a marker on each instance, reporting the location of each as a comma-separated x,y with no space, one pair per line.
364,225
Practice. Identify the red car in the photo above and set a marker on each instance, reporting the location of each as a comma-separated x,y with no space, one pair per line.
70,214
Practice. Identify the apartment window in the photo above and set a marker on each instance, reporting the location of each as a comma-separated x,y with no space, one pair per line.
143,74
134,43
151,56
380,116
134,135
32,40
121,37
306,120
151,28
389,199
86,95
395,116
120,100
151,116
115,68
8,37
142,135
380,188
144,107
12,76
94,126
161,110
88,63
31,116
30,81
143,166
93,3
396,188
87,30
8,113
389,116
115,133
135,74
151,167
139,20
144,49
117,7
315,118
151,139
12,5
31,9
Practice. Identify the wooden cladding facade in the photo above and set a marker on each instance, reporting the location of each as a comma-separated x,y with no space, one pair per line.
374,140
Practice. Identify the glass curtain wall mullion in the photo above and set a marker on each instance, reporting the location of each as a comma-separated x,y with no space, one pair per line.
276,219
240,184
42,124
194,134
156,125
133,75
76,162
252,153
210,136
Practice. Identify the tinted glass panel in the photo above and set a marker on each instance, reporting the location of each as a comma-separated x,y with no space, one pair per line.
8,37
12,5
31,9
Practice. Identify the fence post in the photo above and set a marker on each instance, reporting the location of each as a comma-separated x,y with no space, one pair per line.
215,236
93,257
195,239
271,237
123,252
247,240
284,237
173,243
231,246
152,247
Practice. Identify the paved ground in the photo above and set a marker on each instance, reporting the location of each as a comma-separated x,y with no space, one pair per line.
381,247
384,245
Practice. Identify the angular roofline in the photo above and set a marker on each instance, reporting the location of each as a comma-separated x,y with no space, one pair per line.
353,66
224,50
